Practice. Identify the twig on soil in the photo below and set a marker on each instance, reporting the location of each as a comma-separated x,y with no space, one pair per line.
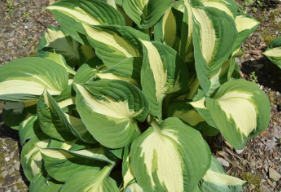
228,144
41,22
231,153
276,119
270,183
262,141
233,157
272,94
19,31
259,167
254,52
263,172
49,14
230,161
274,109
228,171
260,47
278,186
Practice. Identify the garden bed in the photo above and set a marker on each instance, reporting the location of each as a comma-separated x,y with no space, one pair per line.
21,27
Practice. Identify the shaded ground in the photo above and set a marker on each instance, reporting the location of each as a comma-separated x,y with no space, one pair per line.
259,161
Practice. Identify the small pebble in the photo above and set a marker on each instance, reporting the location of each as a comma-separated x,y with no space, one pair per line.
4,174
17,165
239,151
263,188
12,154
223,162
274,174
266,168
11,170
10,44
7,159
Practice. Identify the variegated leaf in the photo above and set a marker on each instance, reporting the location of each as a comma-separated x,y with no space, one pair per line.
66,100
109,109
217,180
214,33
222,76
71,14
273,52
163,73
32,76
115,43
71,123
128,70
127,172
145,13
62,164
59,59
28,128
245,25
13,114
185,112
168,29
73,145
31,159
42,183
228,6
56,41
88,70
49,121
91,180
170,157
203,111
240,111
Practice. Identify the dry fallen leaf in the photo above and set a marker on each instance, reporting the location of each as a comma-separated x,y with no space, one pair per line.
270,144
255,52
276,131
263,133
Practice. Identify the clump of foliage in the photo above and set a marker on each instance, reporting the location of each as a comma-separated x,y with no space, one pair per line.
120,97
253,179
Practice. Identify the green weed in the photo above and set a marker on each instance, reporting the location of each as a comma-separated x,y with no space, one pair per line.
10,6
253,77
25,16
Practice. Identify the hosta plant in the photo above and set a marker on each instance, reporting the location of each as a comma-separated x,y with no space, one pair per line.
122,95
273,52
